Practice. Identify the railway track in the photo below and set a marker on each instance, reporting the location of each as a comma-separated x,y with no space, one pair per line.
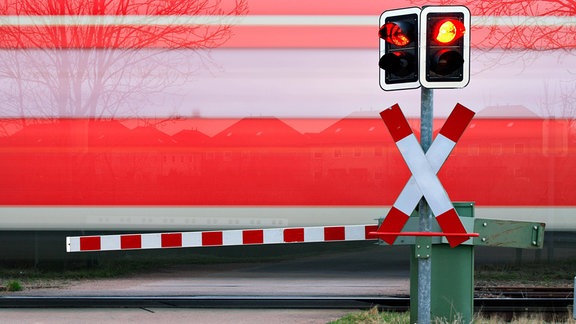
523,299
500,300
525,292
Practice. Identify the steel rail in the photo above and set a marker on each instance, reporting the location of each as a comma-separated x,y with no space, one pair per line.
253,302
399,303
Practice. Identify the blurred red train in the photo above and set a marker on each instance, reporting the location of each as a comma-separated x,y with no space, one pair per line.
83,174
94,173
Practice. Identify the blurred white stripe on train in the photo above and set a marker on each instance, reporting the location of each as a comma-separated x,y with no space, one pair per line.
284,83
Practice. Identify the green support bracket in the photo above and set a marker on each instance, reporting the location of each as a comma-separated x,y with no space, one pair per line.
452,282
492,232
412,226
423,247
514,234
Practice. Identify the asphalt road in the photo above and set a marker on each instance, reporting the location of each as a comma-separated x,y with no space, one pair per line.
169,315
368,272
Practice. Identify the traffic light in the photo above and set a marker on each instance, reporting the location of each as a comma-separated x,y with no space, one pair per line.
445,47
399,49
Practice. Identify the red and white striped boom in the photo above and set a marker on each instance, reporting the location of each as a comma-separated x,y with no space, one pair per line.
220,238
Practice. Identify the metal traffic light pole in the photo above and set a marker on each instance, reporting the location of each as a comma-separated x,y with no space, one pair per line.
425,216
436,16
432,15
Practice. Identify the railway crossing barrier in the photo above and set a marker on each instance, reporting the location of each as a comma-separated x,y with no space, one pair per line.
221,238
442,258
449,243
452,282
488,230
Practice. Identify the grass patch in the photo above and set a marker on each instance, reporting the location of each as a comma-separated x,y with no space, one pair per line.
532,318
13,285
373,316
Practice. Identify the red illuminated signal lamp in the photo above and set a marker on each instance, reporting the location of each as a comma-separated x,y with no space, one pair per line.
398,34
398,62
444,47
444,60
395,34
448,31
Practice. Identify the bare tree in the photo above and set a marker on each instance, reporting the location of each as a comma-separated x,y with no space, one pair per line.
561,100
91,70
522,38
527,36
534,37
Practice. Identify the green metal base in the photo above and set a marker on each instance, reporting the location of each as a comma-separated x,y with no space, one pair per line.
452,279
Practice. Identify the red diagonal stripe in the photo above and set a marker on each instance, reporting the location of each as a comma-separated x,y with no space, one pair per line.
131,241
457,122
90,243
212,238
293,235
450,223
368,229
171,240
393,223
253,237
396,122
336,233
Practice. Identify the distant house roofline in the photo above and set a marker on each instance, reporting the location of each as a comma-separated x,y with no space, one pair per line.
507,111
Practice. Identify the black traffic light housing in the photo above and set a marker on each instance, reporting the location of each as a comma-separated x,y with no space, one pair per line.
445,47
399,52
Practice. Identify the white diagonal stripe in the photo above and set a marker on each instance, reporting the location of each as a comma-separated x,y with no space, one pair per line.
72,244
436,156
191,239
273,235
233,237
424,175
151,241
313,234
110,243
355,232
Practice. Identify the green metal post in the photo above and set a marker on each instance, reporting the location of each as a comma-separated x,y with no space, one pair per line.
452,283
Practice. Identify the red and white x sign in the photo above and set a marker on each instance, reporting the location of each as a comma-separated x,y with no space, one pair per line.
424,167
